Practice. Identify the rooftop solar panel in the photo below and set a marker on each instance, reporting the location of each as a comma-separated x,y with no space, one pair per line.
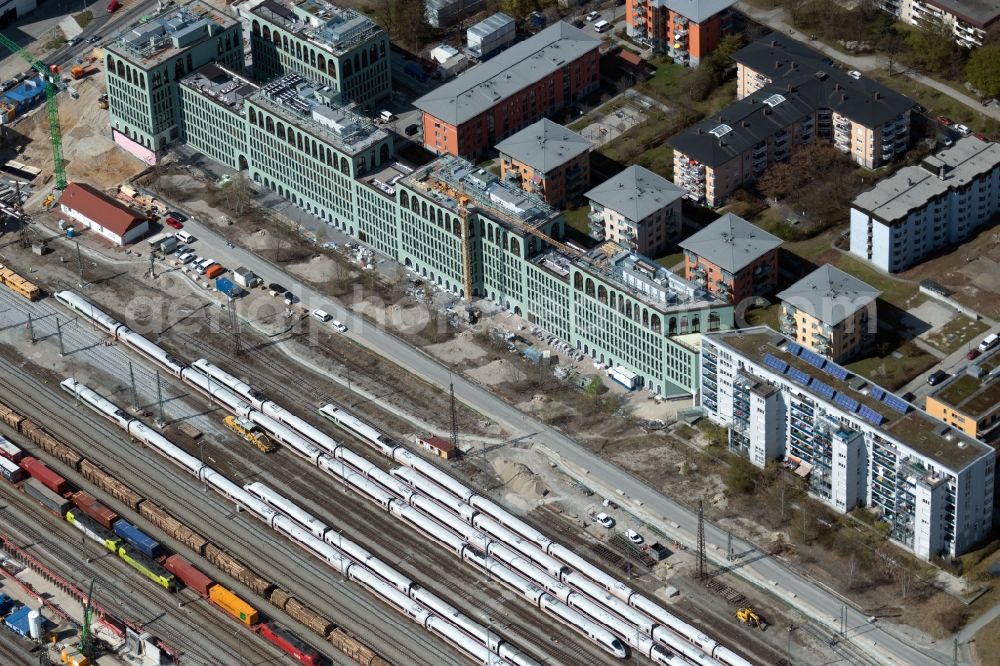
821,388
836,371
775,362
870,415
812,358
895,404
847,402
876,392
798,375
793,348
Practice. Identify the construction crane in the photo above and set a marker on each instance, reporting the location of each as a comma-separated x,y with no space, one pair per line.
52,88
86,646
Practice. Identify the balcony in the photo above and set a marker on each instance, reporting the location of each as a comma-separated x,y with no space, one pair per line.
597,231
680,20
680,35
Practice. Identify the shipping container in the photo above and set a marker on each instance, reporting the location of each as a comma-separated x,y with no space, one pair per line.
214,271
228,287
90,506
246,278
290,643
10,471
148,567
169,244
10,451
188,574
233,605
47,498
93,531
37,469
146,544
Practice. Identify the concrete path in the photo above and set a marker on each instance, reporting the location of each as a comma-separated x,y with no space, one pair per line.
777,19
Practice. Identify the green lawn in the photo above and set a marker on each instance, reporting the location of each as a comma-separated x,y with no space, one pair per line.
893,290
668,261
765,316
960,389
955,334
576,218
892,372
658,159
939,104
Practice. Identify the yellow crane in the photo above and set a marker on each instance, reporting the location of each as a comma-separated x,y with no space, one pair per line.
249,432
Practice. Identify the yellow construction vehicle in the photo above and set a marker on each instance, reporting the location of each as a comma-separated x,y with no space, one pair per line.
249,432
749,617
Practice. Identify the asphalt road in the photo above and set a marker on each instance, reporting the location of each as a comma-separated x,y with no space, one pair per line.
882,646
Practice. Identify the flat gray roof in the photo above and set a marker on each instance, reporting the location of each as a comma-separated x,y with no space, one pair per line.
491,24
913,187
221,85
731,242
979,13
830,294
696,10
544,145
520,66
149,42
636,193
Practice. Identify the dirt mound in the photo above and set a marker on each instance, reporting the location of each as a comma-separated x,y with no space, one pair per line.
518,479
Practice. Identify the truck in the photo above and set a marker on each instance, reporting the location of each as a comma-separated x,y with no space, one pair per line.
227,287
250,432
246,278
80,72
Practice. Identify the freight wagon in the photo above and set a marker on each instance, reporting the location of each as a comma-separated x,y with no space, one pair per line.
45,476
92,530
233,605
18,284
10,471
290,643
188,574
148,567
46,497
10,451
144,543
94,509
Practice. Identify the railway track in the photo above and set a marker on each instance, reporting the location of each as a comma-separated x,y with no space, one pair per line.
188,501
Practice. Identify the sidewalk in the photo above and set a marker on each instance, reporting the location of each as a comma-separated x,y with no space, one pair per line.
776,19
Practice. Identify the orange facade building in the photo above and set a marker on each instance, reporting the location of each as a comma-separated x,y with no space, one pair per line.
534,79
732,258
687,31
549,160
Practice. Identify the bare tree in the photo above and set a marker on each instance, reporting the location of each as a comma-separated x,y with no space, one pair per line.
852,567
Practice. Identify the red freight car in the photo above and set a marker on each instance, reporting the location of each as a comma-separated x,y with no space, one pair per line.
91,507
188,574
44,475
10,450
290,643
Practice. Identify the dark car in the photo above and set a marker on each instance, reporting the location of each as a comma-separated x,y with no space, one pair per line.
944,120
412,129
180,217
937,377
276,289
972,353
174,222
579,23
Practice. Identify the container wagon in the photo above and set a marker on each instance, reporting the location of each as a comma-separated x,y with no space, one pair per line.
188,574
10,451
233,605
94,509
45,476
10,471
46,497
148,567
145,544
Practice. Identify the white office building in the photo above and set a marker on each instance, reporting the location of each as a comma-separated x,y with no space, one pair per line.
921,209
852,442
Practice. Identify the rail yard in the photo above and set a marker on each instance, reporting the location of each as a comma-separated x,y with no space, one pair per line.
525,598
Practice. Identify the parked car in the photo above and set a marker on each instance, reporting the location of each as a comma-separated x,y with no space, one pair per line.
579,23
175,223
605,519
339,326
180,217
962,129
321,315
854,74
634,536
972,354
593,16
944,120
290,298
186,258
411,129
937,377
276,289
989,342
93,39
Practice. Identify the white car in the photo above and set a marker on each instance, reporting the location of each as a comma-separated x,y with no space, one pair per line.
593,16
339,326
321,315
962,129
854,74
186,258
634,536
605,519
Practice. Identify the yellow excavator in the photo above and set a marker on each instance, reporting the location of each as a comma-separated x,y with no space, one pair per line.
751,618
250,432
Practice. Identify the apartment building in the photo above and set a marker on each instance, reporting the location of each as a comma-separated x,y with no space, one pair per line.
685,30
968,21
145,62
549,160
788,96
853,443
531,80
333,46
830,312
732,258
921,209
637,209
970,401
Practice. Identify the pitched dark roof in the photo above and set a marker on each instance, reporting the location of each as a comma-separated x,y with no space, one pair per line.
731,243
788,62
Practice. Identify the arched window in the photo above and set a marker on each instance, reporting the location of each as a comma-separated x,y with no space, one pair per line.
111,63
255,29
374,54
456,227
645,317
298,140
489,233
684,324
269,125
345,166
281,131
315,150
291,137
589,287
577,281
348,69
404,199
440,217
383,153
515,247
190,63
277,39
357,62
312,58
331,68
713,321
423,209
321,63
695,324
672,326
602,294
253,117
284,43
654,321
142,80
329,157
364,59
628,309
415,205
298,50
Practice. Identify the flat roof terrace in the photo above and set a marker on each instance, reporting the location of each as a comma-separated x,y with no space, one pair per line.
913,427
332,28
151,42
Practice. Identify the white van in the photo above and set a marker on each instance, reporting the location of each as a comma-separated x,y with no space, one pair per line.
602,26
989,342
203,265
183,236
387,116
321,315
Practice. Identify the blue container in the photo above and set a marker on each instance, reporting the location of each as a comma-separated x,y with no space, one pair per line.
18,621
145,543
228,287
6,603
70,232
